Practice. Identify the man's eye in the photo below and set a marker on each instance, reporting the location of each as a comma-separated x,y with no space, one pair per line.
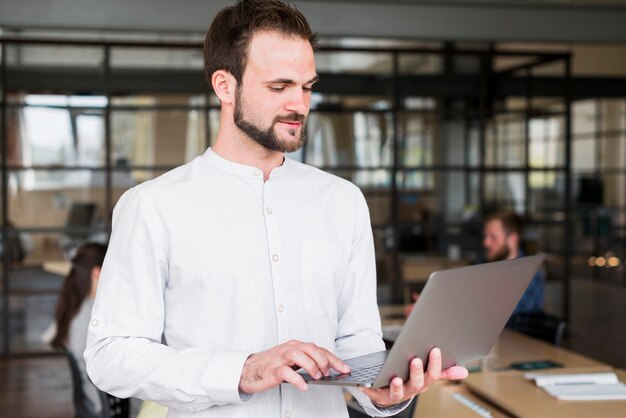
276,89
307,89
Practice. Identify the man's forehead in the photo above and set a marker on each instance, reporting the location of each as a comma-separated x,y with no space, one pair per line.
494,225
268,49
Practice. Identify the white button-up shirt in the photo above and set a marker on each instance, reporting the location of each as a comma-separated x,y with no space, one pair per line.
210,263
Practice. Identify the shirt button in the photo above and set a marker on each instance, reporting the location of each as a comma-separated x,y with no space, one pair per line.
257,172
287,414
281,308
275,257
269,210
94,322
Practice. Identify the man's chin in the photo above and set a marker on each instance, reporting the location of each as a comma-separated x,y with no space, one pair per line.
291,143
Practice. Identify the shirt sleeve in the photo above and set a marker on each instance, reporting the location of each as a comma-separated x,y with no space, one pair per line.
124,354
359,328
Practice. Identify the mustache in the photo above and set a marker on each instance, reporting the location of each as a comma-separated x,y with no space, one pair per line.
292,117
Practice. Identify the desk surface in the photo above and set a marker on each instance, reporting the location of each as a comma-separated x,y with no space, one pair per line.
451,400
522,398
512,347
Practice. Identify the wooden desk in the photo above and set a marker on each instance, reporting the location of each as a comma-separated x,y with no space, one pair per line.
522,398
510,391
440,401
512,347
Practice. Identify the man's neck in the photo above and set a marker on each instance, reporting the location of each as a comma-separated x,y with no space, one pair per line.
237,147
513,254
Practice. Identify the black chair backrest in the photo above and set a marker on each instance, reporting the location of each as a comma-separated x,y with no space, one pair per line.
539,325
112,407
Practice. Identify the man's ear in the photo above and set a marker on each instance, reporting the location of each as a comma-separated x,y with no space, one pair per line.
513,241
224,85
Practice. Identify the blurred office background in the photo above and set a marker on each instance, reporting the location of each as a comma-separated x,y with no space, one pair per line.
438,111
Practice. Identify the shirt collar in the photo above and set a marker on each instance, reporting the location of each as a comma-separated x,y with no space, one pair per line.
241,170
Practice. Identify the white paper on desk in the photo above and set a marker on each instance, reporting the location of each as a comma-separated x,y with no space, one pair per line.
543,379
587,392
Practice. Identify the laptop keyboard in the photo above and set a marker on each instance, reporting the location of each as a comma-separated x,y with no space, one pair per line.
364,374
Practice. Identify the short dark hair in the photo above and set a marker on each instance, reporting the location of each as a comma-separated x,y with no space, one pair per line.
226,43
511,221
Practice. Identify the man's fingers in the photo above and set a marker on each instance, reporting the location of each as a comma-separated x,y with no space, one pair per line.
454,373
302,359
288,375
325,359
318,355
434,366
416,376
396,391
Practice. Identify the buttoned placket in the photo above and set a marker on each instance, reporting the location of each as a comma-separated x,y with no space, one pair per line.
281,306
273,244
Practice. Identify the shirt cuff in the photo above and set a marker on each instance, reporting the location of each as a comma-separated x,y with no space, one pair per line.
222,375
375,411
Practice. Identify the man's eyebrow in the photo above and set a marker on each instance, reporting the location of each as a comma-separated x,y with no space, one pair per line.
289,81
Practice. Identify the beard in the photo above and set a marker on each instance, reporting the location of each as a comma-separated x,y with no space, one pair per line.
500,254
267,138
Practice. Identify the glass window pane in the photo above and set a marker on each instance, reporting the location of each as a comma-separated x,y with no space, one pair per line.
155,58
415,180
547,195
584,116
44,134
353,62
349,139
546,142
583,154
135,101
156,137
418,132
29,318
47,198
325,102
504,191
505,141
420,63
612,151
41,56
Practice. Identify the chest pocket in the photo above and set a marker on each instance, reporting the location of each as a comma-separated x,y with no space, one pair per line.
321,262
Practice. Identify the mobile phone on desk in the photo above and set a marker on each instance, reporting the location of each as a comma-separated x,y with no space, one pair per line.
535,365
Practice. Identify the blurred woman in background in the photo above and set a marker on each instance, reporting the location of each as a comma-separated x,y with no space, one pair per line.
73,310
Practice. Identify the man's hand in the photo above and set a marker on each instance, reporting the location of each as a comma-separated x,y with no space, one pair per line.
418,382
270,368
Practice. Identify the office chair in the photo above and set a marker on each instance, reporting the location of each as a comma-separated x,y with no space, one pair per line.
112,407
539,325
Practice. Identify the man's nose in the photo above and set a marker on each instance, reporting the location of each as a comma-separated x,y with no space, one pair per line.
298,102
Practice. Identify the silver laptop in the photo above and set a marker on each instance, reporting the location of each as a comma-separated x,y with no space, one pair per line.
462,311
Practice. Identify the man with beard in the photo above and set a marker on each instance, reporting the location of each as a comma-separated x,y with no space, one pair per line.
502,233
230,272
